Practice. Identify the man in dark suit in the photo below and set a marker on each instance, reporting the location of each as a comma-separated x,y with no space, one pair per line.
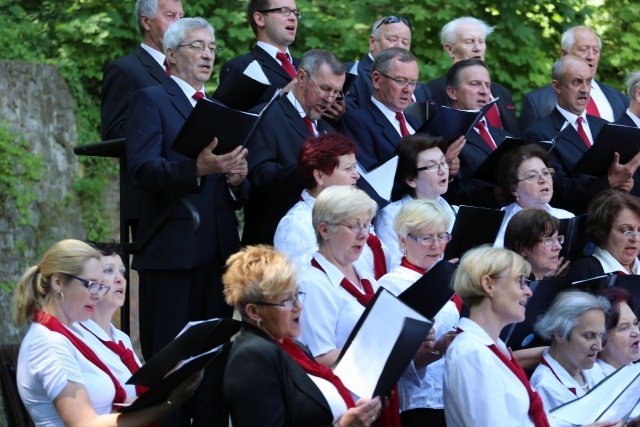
574,132
632,116
389,31
275,145
468,88
379,123
180,269
464,38
606,102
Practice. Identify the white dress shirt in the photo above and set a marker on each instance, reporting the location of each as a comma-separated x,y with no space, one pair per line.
514,208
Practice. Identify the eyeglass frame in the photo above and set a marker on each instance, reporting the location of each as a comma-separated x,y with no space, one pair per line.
424,241
444,165
336,98
193,46
634,234
298,297
393,19
551,240
89,284
522,280
401,82
356,228
538,175
282,11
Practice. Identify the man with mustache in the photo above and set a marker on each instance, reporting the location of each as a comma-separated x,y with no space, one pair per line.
275,145
571,81
605,101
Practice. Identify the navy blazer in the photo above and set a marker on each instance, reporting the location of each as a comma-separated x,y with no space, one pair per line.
121,79
362,89
374,134
572,192
585,268
274,71
265,387
273,162
539,103
506,106
625,120
156,116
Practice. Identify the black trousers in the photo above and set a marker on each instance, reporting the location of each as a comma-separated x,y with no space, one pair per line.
423,417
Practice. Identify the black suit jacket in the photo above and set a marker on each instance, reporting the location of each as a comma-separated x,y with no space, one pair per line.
273,161
156,116
121,79
362,89
585,268
374,134
625,120
265,387
539,103
572,192
506,106
274,71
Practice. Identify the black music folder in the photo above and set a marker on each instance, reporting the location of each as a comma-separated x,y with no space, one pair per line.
381,346
421,110
451,123
576,243
349,78
211,119
243,89
432,291
474,226
624,140
631,283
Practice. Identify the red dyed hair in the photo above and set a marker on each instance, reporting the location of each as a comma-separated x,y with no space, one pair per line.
321,153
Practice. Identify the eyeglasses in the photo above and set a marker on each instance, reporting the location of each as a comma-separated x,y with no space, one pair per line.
549,240
534,176
629,234
394,20
430,240
198,47
288,303
436,167
357,228
520,278
326,96
401,82
284,11
94,288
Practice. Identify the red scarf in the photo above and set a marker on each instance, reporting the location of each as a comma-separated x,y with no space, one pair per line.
53,324
316,369
406,264
126,356
379,261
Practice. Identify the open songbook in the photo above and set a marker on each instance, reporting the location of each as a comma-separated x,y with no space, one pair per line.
381,178
474,226
612,399
612,138
243,89
381,346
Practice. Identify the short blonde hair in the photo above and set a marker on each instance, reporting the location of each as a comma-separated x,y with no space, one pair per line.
417,214
256,273
34,288
484,261
339,203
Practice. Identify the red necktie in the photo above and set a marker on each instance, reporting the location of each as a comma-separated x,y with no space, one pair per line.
592,108
167,70
379,261
403,124
287,66
198,96
484,133
309,123
493,117
582,133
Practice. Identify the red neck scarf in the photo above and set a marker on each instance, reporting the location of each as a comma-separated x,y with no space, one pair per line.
53,324
316,369
126,356
379,261
406,264
363,299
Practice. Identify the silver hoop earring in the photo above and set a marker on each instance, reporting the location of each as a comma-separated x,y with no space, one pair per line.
259,321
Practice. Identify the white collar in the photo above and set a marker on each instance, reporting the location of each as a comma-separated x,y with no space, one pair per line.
610,264
155,54
272,50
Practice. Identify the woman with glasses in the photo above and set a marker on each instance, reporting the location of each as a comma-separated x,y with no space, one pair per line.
421,226
422,173
527,180
270,379
61,380
613,224
533,233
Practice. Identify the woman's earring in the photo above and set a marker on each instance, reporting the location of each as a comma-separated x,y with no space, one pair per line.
61,298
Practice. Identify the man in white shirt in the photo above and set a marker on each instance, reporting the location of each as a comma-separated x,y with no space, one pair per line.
632,116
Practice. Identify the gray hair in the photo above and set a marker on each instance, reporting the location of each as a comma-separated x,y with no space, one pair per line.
313,59
177,32
557,71
568,39
419,213
633,83
564,312
147,8
382,63
339,203
448,32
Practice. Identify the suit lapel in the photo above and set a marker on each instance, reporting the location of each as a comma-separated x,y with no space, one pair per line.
476,140
152,66
569,135
388,130
295,121
178,99
267,61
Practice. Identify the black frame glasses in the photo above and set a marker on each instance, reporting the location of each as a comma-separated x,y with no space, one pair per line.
401,82
392,19
430,240
94,288
436,167
520,278
199,47
336,98
534,176
284,11
286,304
